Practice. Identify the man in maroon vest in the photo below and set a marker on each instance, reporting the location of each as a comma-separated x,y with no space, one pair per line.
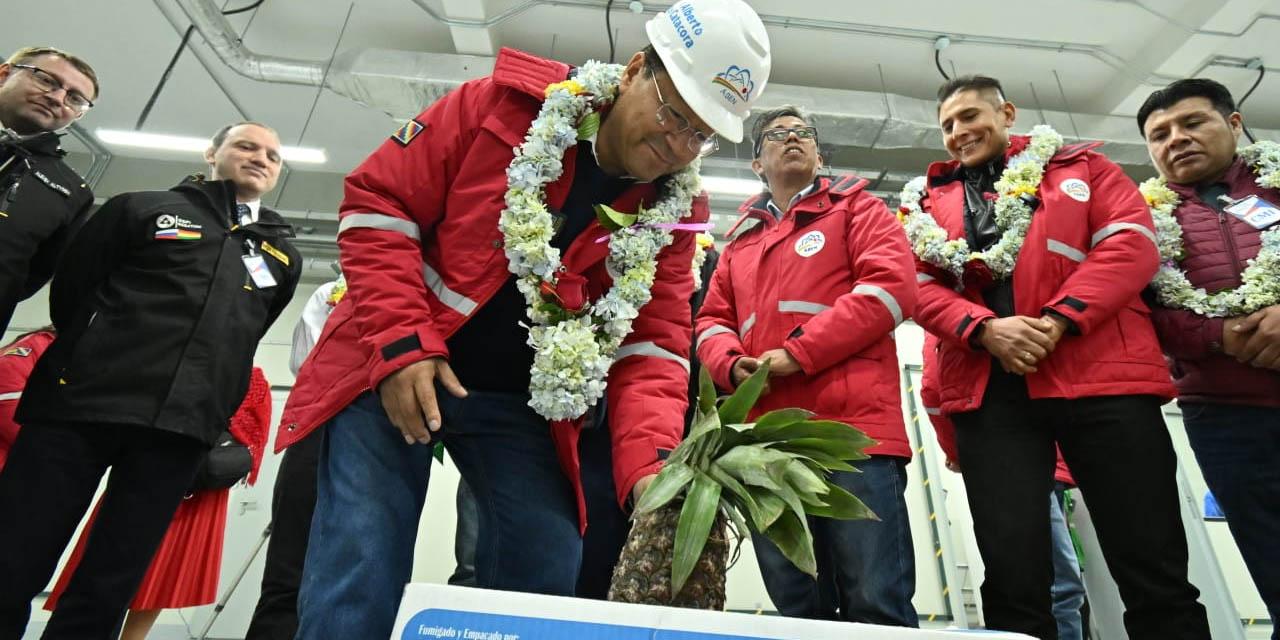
1223,346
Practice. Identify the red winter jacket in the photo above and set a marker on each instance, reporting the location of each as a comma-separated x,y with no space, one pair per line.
16,362
1088,254
943,428
1218,248
421,251
828,283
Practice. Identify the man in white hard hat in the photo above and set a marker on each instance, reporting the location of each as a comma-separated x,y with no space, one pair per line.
488,305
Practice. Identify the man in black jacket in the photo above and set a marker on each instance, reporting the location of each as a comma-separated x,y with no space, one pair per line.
42,90
159,312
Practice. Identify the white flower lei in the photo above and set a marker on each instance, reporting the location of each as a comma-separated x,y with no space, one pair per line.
700,248
1260,281
573,351
1021,177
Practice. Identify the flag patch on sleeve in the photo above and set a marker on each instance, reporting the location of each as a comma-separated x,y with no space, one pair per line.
405,134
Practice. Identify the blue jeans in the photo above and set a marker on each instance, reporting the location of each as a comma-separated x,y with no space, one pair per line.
1238,448
866,568
369,494
1068,586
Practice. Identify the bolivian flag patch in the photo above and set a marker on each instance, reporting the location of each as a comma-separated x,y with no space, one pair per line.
405,134
177,234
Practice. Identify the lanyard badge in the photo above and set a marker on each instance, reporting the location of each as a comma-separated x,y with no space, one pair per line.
257,267
1254,211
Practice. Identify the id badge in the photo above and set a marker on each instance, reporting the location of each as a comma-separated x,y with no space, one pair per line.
1255,211
258,270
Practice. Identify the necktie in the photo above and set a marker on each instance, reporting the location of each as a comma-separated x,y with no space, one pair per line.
243,215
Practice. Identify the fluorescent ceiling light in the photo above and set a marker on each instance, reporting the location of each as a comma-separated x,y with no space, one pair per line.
732,186
309,155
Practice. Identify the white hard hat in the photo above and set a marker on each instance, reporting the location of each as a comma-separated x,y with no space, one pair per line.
717,54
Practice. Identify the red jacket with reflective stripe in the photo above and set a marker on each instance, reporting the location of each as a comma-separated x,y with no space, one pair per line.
1088,254
421,251
943,428
828,283
1218,248
16,362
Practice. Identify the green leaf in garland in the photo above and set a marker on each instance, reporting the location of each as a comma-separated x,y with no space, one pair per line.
589,125
612,219
438,452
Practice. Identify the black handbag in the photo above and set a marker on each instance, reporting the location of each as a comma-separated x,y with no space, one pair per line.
227,463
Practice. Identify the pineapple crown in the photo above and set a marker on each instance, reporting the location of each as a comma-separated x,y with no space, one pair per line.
767,476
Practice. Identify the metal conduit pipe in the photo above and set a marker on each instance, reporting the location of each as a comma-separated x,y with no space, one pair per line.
99,155
1202,32
211,24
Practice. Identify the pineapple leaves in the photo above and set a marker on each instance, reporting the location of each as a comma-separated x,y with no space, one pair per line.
777,419
791,535
736,406
820,429
842,505
675,476
706,392
696,518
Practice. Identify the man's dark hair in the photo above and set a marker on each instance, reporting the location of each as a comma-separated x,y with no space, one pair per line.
764,119
221,136
652,62
986,85
1180,90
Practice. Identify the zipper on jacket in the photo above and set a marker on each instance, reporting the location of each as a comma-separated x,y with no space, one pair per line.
1230,241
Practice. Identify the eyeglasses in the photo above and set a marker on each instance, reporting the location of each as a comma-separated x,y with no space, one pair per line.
678,125
73,100
780,134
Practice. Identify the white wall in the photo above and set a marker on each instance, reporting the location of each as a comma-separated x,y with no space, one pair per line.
250,506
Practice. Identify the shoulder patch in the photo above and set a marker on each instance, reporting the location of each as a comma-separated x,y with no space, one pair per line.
275,253
405,134
21,352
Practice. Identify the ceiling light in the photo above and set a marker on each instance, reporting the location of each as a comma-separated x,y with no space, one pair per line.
307,155
732,186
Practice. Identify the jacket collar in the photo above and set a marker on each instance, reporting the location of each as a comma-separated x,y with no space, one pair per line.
527,73
221,196
941,173
757,207
48,143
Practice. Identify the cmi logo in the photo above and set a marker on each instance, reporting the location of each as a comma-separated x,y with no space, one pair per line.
810,243
1075,188
735,83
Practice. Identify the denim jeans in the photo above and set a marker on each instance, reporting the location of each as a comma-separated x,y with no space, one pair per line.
866,568
1068,586
370,491
1238,448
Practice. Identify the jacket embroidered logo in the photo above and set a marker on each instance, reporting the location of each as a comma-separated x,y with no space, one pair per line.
1076,188
810,243
165,221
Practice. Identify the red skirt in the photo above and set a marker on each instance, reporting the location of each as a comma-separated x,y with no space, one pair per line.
184,571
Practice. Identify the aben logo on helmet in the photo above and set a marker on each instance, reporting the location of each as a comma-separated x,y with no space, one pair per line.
735,83
686,33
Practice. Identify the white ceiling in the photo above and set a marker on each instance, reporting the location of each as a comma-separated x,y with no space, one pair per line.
1107,54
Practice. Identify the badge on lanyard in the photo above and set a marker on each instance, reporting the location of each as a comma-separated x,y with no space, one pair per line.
1255,211
257,267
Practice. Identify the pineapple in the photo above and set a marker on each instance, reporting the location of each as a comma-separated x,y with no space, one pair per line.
764,477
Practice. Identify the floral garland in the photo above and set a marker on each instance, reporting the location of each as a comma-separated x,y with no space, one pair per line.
1260,281
1016,191
574,342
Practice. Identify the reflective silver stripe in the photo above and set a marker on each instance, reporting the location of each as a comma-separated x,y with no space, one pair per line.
1066,250
650,349
449,297
924,277
714,330
380,221
800,306
1117,227
12,395
887,298
746,326
933,411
